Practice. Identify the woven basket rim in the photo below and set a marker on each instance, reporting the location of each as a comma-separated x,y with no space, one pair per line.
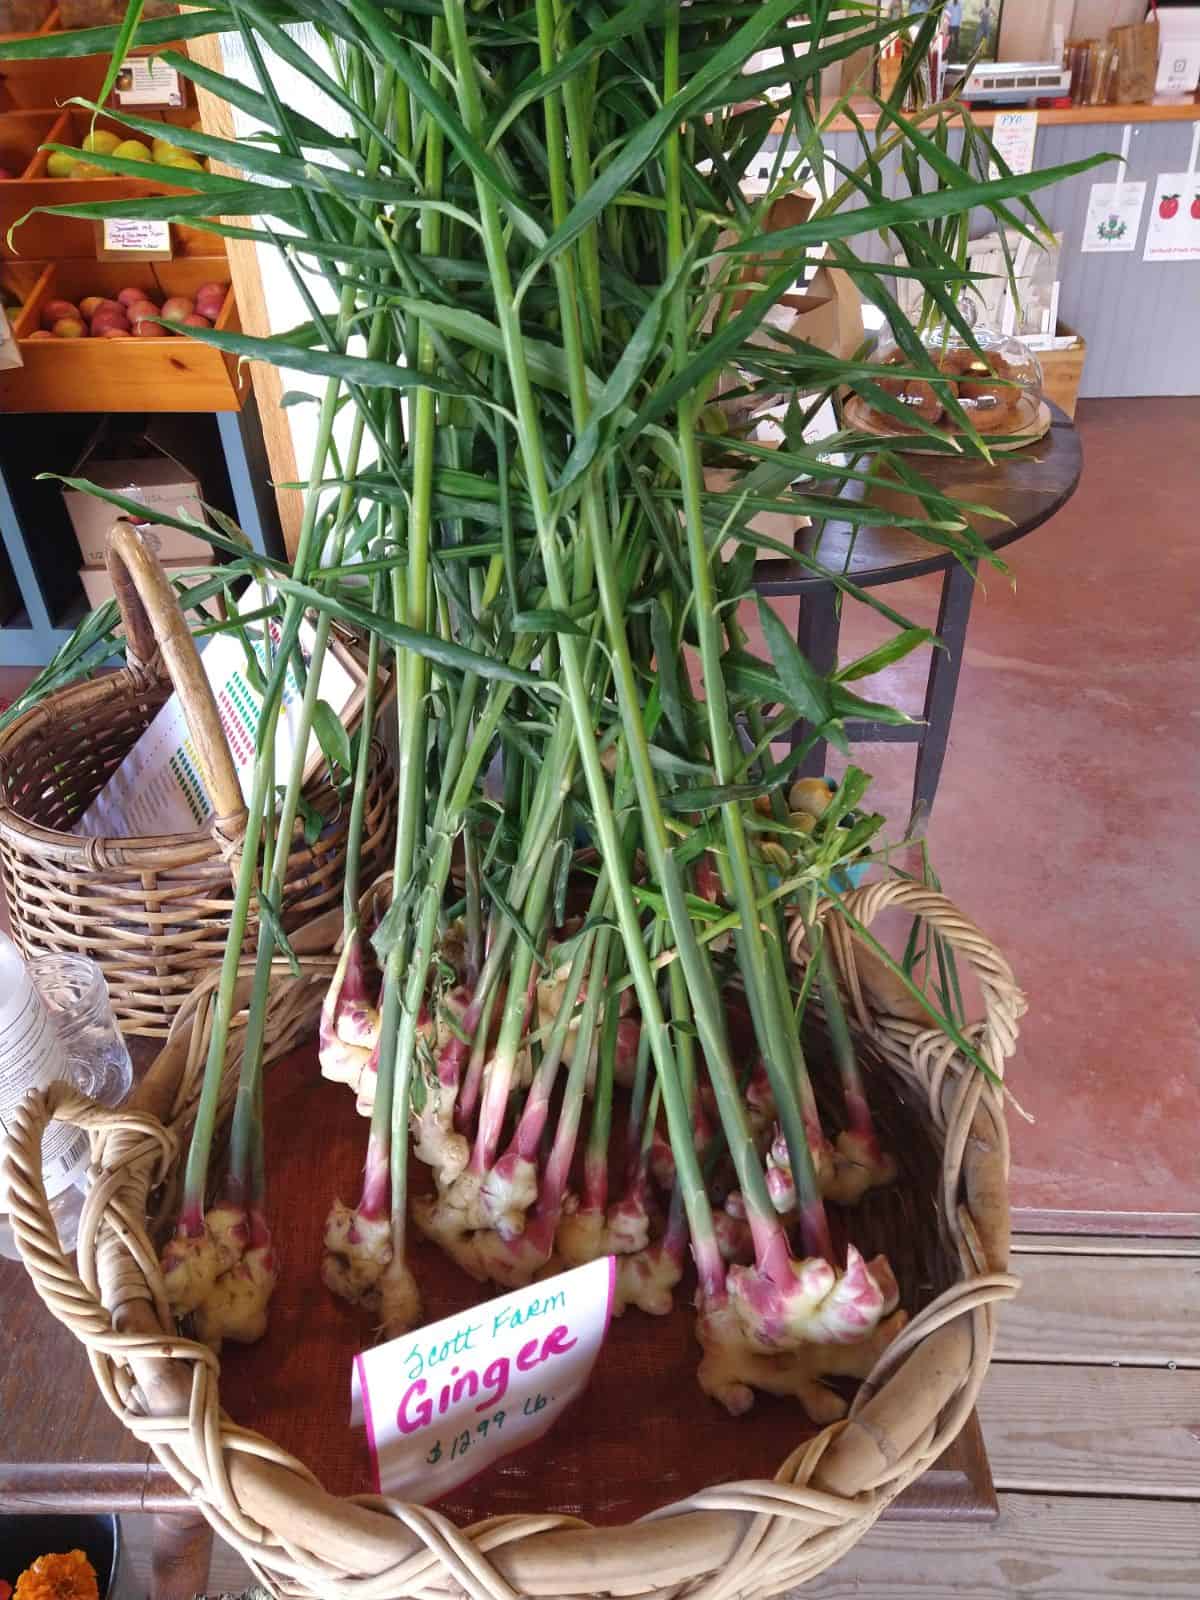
749,1539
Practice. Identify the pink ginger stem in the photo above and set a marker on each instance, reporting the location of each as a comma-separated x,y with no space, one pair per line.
675,1237
595,1180
497,1088
376,1201
814,1230
468,1095
858,1116
528,1134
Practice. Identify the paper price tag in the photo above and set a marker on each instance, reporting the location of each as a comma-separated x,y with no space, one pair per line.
1014,135
131,236
443,1403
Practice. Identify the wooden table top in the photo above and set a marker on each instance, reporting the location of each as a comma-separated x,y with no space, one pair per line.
1027,487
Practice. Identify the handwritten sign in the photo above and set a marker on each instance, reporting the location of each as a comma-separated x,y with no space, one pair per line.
444,1402
1014,135
131,236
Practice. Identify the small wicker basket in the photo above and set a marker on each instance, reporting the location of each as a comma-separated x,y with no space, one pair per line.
735,1541
153,912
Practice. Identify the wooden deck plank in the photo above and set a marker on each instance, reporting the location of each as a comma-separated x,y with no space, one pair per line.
1098,1309
1113,1244
1042,1548
1067,1548
1093,1430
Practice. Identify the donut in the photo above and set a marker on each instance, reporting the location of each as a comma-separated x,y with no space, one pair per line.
923,399
892,386
978,383
955,362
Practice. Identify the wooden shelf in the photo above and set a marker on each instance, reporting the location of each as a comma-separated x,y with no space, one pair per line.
1163,108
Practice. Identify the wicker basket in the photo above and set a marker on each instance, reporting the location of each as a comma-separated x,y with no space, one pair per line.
154,913
736,1541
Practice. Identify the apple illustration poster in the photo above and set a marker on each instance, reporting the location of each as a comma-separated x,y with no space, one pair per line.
1174,230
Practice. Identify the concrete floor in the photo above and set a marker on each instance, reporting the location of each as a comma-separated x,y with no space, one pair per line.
1067,824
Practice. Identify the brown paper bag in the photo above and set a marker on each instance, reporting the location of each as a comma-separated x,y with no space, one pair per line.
837,326
1137,61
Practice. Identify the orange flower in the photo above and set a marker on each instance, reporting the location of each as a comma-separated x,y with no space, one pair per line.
58,1577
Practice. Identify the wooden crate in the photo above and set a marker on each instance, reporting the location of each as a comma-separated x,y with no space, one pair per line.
42,237
1062,371
21,132
172,373
42,85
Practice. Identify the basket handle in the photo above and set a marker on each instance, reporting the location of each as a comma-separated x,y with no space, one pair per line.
154,622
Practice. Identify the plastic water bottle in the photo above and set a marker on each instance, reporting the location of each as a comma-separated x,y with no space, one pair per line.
31,1057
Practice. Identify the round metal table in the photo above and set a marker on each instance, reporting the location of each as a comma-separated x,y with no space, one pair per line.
1027,486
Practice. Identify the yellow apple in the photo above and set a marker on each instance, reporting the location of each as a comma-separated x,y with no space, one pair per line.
101,142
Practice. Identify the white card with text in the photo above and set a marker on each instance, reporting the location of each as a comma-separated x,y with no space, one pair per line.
1014,134
443,1403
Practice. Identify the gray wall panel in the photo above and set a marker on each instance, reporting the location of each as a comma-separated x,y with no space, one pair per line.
1141,319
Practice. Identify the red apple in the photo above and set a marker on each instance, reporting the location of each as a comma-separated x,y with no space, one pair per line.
177,307
195,320
130,297
69,328
54,310
90,304
210,297
149,330
40,333
140,310
111,331
104,320
1196,207
111,307
1168,206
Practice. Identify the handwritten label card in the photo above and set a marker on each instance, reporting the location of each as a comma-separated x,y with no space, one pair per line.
443,1403
131,236
1014,135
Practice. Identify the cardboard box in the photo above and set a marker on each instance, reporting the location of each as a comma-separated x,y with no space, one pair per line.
98,586
1062,372
825,312
156,481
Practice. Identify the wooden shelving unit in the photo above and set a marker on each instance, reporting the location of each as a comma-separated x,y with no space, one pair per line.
56,256
1163,108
